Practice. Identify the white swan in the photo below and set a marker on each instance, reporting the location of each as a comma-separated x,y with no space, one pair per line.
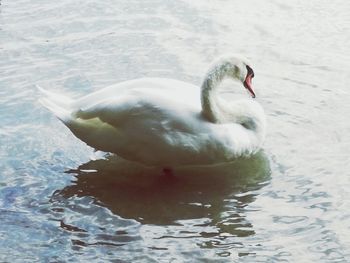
165,122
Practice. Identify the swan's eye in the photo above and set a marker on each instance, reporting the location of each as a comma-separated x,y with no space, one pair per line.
250,71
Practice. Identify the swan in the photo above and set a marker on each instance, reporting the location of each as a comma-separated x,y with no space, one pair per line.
165,122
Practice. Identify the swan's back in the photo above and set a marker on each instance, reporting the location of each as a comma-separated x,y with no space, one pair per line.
178,91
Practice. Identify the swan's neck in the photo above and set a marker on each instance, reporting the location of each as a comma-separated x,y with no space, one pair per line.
247,113
213,108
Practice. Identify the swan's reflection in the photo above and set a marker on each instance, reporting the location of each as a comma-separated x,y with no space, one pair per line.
135,192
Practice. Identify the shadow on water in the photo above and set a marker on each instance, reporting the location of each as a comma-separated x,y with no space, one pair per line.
135,192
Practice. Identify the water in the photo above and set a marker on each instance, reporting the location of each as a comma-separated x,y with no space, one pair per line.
61,202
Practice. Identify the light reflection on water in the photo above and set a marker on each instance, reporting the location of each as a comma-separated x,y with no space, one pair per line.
290,205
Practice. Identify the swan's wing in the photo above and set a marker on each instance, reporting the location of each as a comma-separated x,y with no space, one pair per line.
113,111
143,111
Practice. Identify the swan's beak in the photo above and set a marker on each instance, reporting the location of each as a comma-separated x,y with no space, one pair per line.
248,84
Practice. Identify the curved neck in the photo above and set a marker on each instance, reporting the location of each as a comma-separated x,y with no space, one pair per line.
212,108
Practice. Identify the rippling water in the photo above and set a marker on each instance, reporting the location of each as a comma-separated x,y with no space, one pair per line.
60,201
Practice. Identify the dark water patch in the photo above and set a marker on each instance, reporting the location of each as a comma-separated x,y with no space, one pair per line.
147,196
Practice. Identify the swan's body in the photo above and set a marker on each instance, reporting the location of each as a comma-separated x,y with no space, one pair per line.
165,122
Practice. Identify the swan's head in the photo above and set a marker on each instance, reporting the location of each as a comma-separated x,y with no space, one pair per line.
235,67
241,70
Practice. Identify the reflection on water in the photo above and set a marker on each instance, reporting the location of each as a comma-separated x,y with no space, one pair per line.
218,193
115,212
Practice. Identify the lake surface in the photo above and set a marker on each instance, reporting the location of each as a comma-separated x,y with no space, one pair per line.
62,202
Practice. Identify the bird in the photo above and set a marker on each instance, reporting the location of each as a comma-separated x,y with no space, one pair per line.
167,123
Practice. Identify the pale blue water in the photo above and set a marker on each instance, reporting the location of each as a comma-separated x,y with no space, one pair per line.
290,203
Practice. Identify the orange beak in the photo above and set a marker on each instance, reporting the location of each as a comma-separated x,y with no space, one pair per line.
248,81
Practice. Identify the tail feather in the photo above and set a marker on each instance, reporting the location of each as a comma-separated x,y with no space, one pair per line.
57,104
58,99
63,114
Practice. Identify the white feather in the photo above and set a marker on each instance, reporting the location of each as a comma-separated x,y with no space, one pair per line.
161,122
58,99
